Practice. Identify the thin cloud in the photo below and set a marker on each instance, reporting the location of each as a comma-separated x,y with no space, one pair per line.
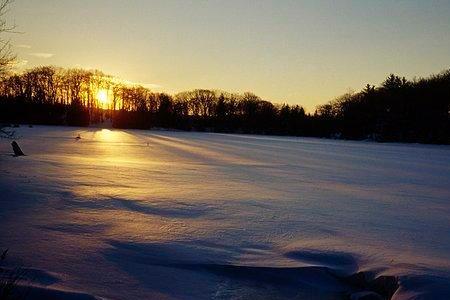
41,54
24,46
152,86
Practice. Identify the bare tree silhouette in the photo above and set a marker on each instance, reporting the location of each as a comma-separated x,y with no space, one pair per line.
6,55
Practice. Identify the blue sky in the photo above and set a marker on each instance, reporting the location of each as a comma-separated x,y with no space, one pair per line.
304,52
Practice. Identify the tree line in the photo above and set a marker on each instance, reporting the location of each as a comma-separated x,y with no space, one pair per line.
50,95
398,110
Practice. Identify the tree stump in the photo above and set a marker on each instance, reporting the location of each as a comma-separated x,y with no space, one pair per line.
16,149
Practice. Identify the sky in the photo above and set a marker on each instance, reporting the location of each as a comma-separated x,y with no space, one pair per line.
298,52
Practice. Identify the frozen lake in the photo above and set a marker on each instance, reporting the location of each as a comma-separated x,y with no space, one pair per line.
129,214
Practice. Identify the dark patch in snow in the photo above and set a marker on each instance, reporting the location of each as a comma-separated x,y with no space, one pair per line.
426,286
40,277
76,228
170,253
167,209
37,293
171,209
337,260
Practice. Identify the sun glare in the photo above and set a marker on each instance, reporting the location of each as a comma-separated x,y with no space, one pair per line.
102,97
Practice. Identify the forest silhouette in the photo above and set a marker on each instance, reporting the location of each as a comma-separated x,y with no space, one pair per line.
398,110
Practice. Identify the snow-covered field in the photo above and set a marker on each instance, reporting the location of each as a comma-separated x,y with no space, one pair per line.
129,214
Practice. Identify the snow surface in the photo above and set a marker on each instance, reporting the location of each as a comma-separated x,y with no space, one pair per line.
129,214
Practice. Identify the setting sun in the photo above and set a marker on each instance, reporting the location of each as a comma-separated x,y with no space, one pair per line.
102,97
